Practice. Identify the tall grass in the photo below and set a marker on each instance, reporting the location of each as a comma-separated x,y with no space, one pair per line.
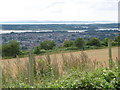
47,68
13,71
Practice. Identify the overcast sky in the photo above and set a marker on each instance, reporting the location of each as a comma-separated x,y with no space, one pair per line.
59,10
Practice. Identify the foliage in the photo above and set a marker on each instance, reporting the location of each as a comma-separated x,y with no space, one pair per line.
36,50
102,78
79,42
24,52
68,43
94,42
105,42
114,43
117,39
99,79
11,49
47,45
72,48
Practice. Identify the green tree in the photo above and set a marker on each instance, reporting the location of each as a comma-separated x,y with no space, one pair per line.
36,50
117,39
94,42
11,49
68,43
79,42
5,50
105,42
114,43
47,45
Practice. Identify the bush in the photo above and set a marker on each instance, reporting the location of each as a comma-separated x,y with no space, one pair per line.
105,42
11,49
79,42
114,43
42,51
36,50
47,45
72,48
117,40
94,42
99,79
68,43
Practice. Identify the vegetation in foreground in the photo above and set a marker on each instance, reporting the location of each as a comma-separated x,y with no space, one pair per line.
74,72
102,78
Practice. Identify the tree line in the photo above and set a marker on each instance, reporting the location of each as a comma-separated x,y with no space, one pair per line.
12,48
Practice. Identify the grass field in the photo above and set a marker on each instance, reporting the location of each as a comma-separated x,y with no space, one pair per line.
100,55
50,69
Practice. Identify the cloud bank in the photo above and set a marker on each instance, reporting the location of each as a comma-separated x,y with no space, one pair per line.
59,10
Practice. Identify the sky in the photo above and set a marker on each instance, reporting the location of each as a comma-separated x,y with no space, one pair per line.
58,10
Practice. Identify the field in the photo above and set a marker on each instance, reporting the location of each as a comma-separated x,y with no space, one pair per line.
100,55
80,69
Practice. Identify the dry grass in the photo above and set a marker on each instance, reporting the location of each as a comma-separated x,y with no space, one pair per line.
60,62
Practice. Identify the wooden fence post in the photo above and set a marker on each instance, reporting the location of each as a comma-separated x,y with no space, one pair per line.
31,68
0,59
119,63
110,54
0,75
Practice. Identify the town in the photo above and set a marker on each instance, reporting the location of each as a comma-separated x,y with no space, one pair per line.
28,40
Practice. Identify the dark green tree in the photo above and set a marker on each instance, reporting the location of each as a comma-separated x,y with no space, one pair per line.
105,42
4,50
79,42
117,39
47,45
68,43
11,49
94,42
36,50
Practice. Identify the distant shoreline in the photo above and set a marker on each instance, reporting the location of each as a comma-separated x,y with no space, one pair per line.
37,31
43,27
59,22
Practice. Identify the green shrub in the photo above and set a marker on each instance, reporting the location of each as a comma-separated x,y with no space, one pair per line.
79,43
114,43
94,42
68,43
11,49
99,79
47,45
42,51
36,50
72,48
117,39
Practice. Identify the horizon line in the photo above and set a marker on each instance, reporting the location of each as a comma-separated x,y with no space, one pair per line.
56,22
